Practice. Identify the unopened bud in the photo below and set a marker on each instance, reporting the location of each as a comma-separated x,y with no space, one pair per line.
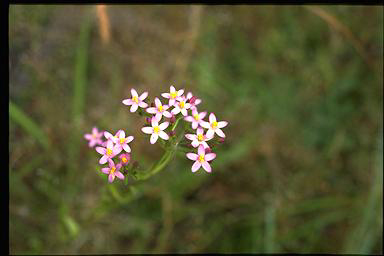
208,150
221,140
172,119
192,100
148,120
172,133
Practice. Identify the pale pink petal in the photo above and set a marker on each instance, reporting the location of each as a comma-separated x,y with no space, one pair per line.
119,175
172,102
201,150
143,104
195,143
111,177
187,106
197,102
220,132
105,170
166,95
163,135
154,122
111,163
94,130
212,118
205,144
194,112
117,149
189,95
92,143
176,110
172,89
121,135
101,150
210,156
206,166
189,119
195,124
210,133
127,102
157,102
109,144
143,96
164,126
147,130
165,107
167,114
88,136
103,159
129,139
199,131
196,166
134,93
190,136
222,124
152,110
118,166
202,114
205,125
192,156
154,138
108,135
184,112
180,92
134,107
126,148
158,116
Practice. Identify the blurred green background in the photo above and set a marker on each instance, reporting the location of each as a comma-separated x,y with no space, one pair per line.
301,169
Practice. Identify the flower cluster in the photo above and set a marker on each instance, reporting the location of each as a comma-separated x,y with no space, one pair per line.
115,146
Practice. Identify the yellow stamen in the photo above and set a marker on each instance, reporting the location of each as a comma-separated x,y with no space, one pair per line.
124,159
113,169
214,125
181,104
160,108
135,99
109,151
173,95
201,158
196,116
200,137
122,140
156,129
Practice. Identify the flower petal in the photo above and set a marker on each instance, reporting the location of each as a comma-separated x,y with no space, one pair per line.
167,114
88,136
164,126
129,139
111,177
105,170
142,104
119,175
206,166
101,150
190,136
205,125
201,150
158,116
212,118
176,110
189,119
143,96
147,130
199,131
154,138
192,156
210,133
196,166
157,102
222,124
166,95
154,121
163,135
202,114
195,143
103,159
108,135
152,110
210,156
172,89
116,150
134,107
171,102
134,93
195,125
121,135
184,112
180,92
127,102
126,148
220,132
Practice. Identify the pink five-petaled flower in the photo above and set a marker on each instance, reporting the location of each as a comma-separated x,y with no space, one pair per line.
201,159
199,138
94,138
196,118
181,106
136,100
109,152
213,126
156,130
113,171
160,110
125,158
123,141
172,95
193,100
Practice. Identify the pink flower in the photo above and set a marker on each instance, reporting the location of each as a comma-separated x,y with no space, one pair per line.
181,106
136,101
213,126
123,141
156,130
160,110
201,159
199,138
125,158
113,171
94,138
196,118
109,152
172,95
193,100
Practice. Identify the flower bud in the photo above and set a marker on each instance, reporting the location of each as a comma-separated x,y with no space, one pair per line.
125,158
221,140
192,100
208,150
148,120
172,133
172,119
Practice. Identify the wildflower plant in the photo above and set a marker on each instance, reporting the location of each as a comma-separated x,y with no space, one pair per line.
176,125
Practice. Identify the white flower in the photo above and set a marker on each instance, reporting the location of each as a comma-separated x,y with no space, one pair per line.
160,110
199,138
136,101
156,130
214,127
172,95
181,106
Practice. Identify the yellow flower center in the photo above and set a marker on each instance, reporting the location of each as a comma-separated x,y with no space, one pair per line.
109,151
196,116
113,169
173,95
122,140
181,104
160,108
94,135
201,158
135,99
200,137
214,125
124,159
156,129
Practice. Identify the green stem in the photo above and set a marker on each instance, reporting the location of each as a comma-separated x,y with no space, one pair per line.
176,123
159,166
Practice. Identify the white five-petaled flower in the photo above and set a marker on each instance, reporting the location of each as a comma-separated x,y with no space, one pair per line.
201,159
199,138
213,126
172,95
181,106
156,130
196,118
160,110
136,100
123,141
113,171
110,151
